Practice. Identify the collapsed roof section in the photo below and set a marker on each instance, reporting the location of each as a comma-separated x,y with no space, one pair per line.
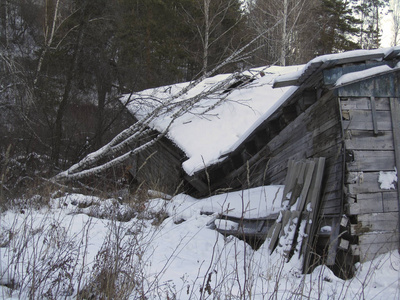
321,71
219,110
213,120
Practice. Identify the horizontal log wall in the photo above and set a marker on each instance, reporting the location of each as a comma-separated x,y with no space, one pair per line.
370,151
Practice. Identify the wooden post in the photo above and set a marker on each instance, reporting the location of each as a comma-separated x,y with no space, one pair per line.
395,113
374,117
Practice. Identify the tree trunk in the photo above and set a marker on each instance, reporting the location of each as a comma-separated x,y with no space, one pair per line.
58,125
282,59
5,20
101,98
49,32
206,34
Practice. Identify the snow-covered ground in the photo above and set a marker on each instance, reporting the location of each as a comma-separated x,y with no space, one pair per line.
167,251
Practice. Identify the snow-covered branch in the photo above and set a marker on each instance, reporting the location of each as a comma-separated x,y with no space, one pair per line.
172,106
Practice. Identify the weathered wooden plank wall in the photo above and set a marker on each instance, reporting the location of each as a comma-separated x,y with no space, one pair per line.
159,167
315,133
370,150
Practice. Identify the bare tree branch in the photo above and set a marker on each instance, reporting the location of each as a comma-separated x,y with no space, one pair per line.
141,129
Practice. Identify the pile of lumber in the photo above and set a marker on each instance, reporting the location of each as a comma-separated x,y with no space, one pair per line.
297,224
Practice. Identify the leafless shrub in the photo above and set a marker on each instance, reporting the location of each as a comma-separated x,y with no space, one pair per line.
42,256
117,268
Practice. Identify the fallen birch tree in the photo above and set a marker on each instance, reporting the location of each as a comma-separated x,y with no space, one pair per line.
140,130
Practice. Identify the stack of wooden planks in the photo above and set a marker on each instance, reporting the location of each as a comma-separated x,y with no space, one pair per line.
298,222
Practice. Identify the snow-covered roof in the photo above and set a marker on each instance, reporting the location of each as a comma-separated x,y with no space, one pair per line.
325,61
218,121
365,74
204,134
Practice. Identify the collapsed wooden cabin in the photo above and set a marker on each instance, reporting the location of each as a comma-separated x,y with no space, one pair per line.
344,109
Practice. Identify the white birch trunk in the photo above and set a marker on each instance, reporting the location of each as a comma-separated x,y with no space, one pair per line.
282,60
139,130
48,37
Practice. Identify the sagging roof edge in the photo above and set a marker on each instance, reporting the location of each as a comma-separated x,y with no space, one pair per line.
327,61
310,71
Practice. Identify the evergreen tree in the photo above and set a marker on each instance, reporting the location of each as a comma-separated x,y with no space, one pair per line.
369,11
339,28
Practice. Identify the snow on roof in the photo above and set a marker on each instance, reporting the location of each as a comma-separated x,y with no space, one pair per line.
216,124
365,74
338,58
205,136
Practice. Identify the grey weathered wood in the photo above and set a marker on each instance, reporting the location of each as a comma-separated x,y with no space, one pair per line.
333,242
361,140
381,238
379,86
306,186
363,182
294,224
374,116
293,170
369,252
196,182
371,161
362,120
313,198
274,234
390,202
364,103
395,114
378,221
343,244
366,203
298,187
372,244
355,250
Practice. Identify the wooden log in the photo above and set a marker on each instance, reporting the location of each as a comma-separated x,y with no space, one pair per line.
361,140
366,203
377,222
355,250
362,120
364,103
371,251
371,161
372,244
390,202
378,238
344,221
363,182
